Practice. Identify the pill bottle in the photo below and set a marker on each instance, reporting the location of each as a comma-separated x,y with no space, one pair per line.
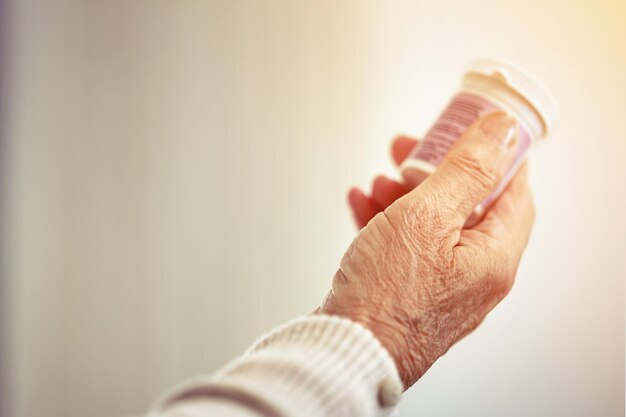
488,86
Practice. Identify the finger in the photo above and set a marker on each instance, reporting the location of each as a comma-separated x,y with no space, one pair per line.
385,191
401,147
510,219
472,168
363,207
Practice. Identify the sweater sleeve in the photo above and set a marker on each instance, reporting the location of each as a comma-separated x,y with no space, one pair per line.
318,365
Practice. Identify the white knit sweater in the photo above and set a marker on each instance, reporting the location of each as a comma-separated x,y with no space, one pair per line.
318,365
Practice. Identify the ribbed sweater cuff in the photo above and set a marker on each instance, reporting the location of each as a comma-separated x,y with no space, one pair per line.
313,366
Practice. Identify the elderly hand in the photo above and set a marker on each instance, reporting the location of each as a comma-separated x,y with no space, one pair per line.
414,275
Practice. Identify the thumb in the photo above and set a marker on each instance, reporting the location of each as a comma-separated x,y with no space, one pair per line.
473,167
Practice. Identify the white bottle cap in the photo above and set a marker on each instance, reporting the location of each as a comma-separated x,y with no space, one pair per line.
543,102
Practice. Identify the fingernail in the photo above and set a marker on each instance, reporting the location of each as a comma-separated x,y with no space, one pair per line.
500,127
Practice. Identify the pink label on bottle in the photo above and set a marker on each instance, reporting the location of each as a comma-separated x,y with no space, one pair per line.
464,109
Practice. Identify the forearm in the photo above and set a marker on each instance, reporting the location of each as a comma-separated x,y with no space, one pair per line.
313,366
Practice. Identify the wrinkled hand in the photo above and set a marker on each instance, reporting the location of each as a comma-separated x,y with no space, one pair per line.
413,275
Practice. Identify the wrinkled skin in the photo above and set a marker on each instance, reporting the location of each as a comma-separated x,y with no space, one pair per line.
413,275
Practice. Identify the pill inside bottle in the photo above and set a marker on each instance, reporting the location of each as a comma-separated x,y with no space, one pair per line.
488,86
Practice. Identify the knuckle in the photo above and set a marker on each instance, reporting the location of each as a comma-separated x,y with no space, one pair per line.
473,162
425,223
405,217
385,225
426,212
408,232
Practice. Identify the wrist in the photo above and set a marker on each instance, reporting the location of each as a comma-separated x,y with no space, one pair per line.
405,349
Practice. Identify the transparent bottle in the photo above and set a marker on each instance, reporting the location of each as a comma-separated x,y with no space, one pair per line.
488,86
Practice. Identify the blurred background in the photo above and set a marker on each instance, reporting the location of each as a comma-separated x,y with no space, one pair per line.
174,177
